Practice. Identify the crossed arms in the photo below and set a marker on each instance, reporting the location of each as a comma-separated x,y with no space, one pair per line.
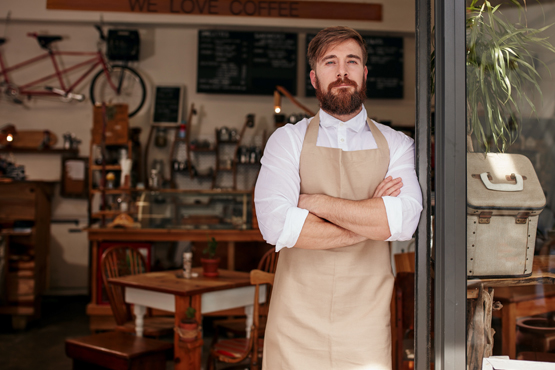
287,219
335,222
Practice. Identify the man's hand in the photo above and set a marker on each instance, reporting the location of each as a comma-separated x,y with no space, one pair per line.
389,187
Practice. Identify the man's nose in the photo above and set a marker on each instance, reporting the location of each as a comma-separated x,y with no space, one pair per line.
342,70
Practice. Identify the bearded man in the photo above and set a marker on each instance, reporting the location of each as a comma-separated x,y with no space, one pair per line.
332,191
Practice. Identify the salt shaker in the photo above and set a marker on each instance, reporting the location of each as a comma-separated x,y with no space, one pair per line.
187,265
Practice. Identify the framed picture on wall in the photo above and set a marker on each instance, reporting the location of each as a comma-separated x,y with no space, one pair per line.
74,180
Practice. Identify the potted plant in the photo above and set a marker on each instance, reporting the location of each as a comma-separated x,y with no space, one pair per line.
210,262
501,74
188,328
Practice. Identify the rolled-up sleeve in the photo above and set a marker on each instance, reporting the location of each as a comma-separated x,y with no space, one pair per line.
403,211
277,189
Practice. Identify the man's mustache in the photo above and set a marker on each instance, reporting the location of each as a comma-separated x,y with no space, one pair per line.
342,81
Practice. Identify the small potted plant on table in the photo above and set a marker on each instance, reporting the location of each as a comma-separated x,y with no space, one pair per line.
188,328
210,262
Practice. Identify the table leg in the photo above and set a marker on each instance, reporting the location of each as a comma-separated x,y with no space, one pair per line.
249,311
231,255
187,355
94,279
139,319
508,329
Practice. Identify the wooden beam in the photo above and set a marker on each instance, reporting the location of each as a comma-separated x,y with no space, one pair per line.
240,8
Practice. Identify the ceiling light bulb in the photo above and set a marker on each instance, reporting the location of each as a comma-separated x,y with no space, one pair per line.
9,137
278,109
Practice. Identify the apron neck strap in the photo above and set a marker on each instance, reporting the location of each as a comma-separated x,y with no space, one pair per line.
311,135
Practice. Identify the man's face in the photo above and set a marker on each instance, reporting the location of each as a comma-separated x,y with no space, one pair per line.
340,79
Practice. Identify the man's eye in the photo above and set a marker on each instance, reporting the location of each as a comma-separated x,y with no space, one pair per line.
329,62
353,61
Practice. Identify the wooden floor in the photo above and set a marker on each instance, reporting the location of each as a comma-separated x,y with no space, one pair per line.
42,344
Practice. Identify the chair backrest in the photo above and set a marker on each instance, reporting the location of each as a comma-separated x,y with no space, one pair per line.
404,262
269,260
258,278
120,261
268,263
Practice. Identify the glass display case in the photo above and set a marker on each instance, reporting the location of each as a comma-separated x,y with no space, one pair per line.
189,209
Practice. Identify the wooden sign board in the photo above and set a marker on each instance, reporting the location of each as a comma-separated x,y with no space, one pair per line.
240,8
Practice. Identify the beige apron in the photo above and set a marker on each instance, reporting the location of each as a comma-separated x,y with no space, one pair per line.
330,309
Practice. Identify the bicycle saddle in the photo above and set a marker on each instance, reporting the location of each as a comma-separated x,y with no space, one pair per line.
2,40
45,41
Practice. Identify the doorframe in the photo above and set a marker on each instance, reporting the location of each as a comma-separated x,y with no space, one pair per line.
423,287
450,186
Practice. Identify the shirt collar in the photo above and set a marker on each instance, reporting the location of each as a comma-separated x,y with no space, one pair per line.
355,124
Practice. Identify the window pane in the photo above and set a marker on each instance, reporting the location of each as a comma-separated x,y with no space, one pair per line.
510,181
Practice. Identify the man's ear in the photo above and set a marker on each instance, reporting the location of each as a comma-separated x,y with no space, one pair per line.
313,78
365,72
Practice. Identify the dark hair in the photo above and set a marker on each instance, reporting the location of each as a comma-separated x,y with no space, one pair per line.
329,37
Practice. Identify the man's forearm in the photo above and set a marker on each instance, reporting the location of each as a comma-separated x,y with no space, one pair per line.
366,217
319,234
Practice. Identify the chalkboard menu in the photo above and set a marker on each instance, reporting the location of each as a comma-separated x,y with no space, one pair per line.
385,68
232,62
167,104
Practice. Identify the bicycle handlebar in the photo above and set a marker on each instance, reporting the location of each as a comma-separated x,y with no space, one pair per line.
32,34
101,33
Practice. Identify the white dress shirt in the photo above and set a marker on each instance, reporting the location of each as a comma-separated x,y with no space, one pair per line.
278,185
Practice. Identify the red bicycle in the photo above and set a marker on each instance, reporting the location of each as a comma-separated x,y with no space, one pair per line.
113,83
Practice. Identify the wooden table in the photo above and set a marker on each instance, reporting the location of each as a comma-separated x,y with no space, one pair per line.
166,291
481,292
101,315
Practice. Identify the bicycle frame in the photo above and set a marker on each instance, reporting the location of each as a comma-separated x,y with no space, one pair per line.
95,61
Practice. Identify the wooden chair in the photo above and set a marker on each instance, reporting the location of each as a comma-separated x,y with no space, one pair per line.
404,320
236,350
122,261
237,326
117,351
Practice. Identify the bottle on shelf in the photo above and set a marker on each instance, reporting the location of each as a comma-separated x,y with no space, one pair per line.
182,130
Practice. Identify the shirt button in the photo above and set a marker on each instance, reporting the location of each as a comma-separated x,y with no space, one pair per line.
342,140
341,124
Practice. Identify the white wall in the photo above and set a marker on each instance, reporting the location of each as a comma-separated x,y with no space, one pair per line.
168,56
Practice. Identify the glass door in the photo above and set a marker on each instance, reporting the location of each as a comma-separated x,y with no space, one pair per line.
495,225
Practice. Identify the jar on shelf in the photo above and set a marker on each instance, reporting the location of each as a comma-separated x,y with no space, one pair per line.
98,155
161,138
123,201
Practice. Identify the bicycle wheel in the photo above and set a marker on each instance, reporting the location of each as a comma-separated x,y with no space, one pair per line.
132,89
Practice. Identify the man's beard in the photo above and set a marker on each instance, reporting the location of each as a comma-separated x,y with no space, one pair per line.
344,102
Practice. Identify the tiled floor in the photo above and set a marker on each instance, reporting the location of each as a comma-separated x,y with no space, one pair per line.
41,345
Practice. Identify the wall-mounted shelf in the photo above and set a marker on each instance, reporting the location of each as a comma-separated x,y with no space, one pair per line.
110,191
39,151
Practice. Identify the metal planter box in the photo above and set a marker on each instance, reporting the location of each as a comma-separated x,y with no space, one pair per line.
504,200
